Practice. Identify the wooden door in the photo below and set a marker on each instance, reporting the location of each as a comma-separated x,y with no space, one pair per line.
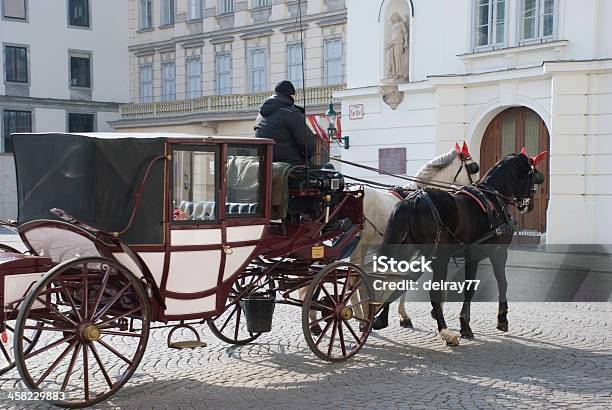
508,132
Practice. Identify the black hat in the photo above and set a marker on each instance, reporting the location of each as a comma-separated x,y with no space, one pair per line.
285,88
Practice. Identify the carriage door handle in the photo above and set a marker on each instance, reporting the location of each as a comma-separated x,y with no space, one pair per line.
228,249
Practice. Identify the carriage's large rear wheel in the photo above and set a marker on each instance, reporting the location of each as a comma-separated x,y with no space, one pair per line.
7,356
341,297
230,326
95,316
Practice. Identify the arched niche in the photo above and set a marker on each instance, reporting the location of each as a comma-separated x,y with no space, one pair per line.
405,10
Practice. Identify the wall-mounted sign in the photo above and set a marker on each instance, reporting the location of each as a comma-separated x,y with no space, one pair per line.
356,111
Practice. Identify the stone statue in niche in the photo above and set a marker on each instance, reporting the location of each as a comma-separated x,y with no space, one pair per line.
395,50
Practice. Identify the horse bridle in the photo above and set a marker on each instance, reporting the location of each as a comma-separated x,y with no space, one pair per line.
464,160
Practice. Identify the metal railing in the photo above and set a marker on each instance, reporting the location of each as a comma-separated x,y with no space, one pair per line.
220,103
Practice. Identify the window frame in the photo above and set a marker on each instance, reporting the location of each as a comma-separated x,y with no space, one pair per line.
538,37
291,65
5,135
171,13
258,4
188,77
216,149
190,9
149,15
16,19
79,54
70,24
223,7
492,43
326,80
148,66
251,52
5,46
164,97
92,114
260,186
218,73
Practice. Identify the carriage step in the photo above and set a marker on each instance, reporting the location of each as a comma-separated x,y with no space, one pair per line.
187,344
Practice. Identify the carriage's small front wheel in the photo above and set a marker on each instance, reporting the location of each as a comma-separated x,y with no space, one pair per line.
7,356
96,317
230,326
340,296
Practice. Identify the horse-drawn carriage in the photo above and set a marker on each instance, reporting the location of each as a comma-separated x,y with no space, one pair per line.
123,231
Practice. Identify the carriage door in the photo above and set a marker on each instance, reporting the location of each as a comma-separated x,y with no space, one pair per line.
509,131
194,256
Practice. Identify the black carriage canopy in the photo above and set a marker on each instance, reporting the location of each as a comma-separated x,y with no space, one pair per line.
94,177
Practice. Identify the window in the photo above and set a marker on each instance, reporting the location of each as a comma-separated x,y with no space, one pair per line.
78,13
537,19
195,182
194,9
80,70
333,61
392,160
224,73
258,70
146,14
294,65
14,121
167,12
14,9
16,64
78,122
194,77
225,6
244,181
490,19
261,3
146,84
168,82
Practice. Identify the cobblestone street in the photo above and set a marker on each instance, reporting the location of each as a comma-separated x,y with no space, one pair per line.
555,355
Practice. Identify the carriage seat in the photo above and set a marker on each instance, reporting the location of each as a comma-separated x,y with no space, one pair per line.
205,210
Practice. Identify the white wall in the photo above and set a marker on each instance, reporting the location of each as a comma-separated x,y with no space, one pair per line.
49,39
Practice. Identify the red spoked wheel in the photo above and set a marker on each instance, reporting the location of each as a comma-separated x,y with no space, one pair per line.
96,318
341,297
230,326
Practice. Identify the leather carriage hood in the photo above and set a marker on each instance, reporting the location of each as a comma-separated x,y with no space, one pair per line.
274,103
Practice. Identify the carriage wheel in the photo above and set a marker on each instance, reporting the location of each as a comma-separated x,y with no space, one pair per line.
341,296
230,326
7,354
96,317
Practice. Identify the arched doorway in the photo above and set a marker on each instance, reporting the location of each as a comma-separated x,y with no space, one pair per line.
508,132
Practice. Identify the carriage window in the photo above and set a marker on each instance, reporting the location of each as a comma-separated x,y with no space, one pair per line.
244,182
194,186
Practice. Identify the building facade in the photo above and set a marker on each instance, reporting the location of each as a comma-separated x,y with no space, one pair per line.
64,68
499,74
204,66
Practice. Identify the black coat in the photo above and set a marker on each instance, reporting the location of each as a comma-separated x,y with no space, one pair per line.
285,123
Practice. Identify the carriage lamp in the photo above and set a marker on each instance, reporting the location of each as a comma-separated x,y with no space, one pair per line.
331,116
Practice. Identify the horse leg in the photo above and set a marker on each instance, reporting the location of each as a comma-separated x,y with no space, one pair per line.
405,320
471,268
499,270
440,268
382,319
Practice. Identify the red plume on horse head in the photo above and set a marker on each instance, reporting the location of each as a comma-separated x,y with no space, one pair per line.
463,151
535,160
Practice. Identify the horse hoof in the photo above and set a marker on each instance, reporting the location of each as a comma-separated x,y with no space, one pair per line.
316,330
503,326
380,323
406,322
466,333
449,337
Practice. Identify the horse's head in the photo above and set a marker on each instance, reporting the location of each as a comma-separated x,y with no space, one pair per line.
516,177
468,171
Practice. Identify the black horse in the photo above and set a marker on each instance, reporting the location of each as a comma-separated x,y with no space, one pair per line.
473,222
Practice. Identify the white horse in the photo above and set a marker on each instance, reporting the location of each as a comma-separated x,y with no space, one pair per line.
455,167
